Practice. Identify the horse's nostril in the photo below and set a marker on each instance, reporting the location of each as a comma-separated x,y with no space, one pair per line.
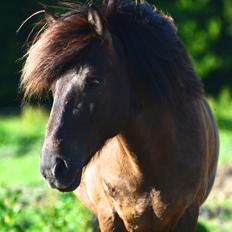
60,169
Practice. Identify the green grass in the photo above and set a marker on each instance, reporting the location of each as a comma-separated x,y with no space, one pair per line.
222,109
19,171
225,146
217,216
28,204
22,135
20,143
39,209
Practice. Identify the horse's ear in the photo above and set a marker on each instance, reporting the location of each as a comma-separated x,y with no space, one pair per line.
97,22
49,16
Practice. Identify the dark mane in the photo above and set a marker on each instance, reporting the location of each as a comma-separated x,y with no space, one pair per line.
154,52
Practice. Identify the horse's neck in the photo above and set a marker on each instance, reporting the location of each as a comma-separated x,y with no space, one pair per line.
148,138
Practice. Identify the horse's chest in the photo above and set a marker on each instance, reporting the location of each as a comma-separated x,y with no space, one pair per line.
138,210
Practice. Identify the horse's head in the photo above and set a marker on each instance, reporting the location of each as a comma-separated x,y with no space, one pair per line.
81,58
91,105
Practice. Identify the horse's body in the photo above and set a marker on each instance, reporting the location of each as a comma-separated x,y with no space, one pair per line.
149,183
131,129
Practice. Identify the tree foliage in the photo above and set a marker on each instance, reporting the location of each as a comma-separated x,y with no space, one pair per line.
205,26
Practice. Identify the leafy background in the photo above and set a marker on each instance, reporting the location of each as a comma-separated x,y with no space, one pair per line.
26,202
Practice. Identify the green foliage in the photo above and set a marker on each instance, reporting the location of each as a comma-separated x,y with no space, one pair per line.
206,28
21,135
216,217
20,143
222,110
20,211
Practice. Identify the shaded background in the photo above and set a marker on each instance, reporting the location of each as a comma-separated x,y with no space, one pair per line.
205,26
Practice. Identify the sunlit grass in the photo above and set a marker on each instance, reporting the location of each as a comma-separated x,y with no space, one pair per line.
40,209
222,110
19,171
22,135
217,215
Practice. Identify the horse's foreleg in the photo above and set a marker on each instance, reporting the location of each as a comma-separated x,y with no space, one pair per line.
189,220
110,221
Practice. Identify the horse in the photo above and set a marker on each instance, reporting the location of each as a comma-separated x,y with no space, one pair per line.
130,130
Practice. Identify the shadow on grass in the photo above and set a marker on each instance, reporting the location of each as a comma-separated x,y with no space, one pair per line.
19,146
201,228
224,123
25,145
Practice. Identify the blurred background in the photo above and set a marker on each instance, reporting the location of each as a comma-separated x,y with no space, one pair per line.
26,202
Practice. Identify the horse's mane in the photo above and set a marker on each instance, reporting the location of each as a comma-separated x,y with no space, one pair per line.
154,53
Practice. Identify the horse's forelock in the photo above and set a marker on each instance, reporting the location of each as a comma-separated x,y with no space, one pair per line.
56,46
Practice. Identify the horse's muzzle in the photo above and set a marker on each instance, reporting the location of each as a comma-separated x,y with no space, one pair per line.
60,173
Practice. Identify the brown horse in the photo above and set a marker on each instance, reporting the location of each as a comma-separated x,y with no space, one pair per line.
130,130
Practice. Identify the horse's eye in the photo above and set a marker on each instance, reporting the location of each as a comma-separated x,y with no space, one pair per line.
92,83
